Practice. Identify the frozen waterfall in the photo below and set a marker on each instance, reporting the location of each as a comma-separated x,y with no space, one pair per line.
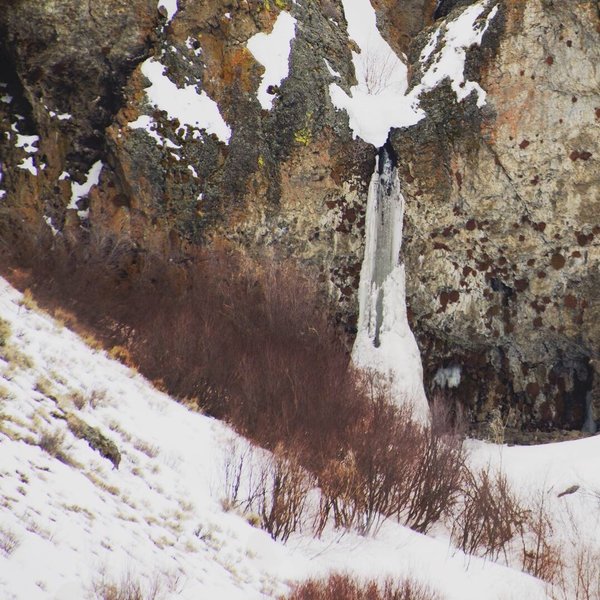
384,342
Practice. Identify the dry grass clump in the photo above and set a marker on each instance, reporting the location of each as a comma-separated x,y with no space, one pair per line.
9,541
344,587
127,588
52,442
5,332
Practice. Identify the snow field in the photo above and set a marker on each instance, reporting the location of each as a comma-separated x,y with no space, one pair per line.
159,516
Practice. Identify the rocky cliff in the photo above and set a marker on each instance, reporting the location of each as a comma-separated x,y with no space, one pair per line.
172,125
503,222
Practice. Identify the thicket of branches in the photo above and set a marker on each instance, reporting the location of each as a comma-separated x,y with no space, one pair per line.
251,342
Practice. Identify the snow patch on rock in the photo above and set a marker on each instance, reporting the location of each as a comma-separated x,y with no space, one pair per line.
81,190
380,100
449,61
27,164
192,109
170,6
272,51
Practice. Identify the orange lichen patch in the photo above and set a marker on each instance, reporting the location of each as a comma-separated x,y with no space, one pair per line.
517,103
237,67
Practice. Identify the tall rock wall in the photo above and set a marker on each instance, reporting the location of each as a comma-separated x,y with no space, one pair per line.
290,179
128,121
503,219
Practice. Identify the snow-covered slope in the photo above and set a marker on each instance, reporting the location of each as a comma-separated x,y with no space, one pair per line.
68,517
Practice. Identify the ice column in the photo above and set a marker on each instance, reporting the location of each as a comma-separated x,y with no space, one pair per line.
384,342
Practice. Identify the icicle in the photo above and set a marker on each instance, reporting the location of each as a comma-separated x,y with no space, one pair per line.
384,342
590,424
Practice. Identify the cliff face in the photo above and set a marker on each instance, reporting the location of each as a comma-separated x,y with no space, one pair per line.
164,126
502,219
286,175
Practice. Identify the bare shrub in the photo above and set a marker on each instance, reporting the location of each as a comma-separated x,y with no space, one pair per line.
9,541
370,481
578,574
578,579
379,69
438,480
269,491
541,557
490,515
280,497
392,467
252,342
236,472
127,588
344,587
587,574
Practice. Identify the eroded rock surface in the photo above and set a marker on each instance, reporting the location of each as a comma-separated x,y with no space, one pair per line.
502,227
290,179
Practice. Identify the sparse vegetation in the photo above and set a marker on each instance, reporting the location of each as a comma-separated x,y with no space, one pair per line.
9,541
490,515
44,387
52,442
393,468
251,342
146,448
344,587
127,588
96,439
5,332
280,498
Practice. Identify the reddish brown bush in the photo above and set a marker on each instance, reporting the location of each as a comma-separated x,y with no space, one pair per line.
281,495
393,467
343,587
490,517
251,342
540,554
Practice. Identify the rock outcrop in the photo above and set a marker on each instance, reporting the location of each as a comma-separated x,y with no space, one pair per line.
502,229
289,180
502,226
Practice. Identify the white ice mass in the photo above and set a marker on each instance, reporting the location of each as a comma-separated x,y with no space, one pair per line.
384,341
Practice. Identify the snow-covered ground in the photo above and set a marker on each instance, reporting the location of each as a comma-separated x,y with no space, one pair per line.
67,522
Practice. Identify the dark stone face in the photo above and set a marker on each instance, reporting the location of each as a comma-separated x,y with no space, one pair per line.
494,250
444,7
